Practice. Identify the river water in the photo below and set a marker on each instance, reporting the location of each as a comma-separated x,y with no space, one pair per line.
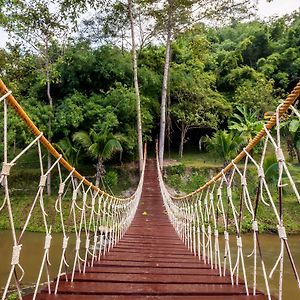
31,257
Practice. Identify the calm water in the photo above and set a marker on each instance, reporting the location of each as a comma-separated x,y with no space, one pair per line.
33,244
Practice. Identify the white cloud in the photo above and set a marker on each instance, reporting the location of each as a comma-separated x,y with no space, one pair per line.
277,7
265,9
3,38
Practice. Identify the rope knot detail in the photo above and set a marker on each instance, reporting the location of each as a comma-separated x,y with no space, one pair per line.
48,242
6,168
74,195
279,154
226,236
261,172
61,188
5,96
65,242
255,226
84,197
16,255
281,232
243,181
209,230
43,181
77,247
87,243
229,192
239,242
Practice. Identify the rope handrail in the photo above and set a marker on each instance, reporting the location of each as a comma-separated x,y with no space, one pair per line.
96,219
225,204
291,98
7,94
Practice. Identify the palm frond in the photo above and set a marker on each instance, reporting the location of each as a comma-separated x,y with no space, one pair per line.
94,150
82,138
110,148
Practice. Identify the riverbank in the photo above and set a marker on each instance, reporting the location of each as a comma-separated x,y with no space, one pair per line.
185,175
119,180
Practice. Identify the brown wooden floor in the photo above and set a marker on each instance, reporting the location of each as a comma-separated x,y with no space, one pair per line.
150,262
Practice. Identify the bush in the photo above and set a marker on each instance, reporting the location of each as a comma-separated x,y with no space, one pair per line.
177,169
111,178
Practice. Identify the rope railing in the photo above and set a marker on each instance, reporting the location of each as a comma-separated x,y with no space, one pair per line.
96,219
223,204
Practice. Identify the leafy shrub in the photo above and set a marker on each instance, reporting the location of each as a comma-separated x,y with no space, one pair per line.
111,178
176,169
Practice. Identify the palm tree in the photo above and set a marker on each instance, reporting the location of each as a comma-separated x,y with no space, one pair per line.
225,144
68,150
100,147
246,123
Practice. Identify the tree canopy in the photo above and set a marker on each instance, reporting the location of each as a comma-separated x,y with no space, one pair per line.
240,68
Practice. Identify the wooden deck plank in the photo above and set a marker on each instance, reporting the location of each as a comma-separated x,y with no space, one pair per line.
103,288
150,262
158,278
140,297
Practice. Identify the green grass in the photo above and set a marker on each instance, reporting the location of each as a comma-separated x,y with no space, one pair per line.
23,185
198,160
193,170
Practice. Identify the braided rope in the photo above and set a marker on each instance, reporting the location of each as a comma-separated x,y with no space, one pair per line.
97,219
199,216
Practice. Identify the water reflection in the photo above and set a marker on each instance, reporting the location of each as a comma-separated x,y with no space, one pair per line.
31,255
33,243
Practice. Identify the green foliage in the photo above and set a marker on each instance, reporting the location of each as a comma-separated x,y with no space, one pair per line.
176,169
69,151
271,169
111,178
99,146
225,144
214,71
69,114
13,296
184,179
246,123
256,95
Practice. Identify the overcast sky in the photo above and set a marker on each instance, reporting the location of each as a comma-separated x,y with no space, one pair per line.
265,9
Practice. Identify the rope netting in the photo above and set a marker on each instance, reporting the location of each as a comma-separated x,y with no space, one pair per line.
226,201
96,220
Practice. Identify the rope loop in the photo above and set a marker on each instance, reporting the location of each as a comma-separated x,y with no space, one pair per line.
229,192
65,242
279,154
5,96
255,226
61,188
239,242
48,241
281,232
6,167
43,180
16,255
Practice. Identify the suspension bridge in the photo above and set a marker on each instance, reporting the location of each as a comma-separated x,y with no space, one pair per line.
153,244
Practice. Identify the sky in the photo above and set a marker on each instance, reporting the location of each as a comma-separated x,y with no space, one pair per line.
265,10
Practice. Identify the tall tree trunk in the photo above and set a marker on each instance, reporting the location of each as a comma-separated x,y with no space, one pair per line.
99,171
298,154
290,146
164,90
182,137
136,87
169,121
49,121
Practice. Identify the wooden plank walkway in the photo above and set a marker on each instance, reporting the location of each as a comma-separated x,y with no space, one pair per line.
150,262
